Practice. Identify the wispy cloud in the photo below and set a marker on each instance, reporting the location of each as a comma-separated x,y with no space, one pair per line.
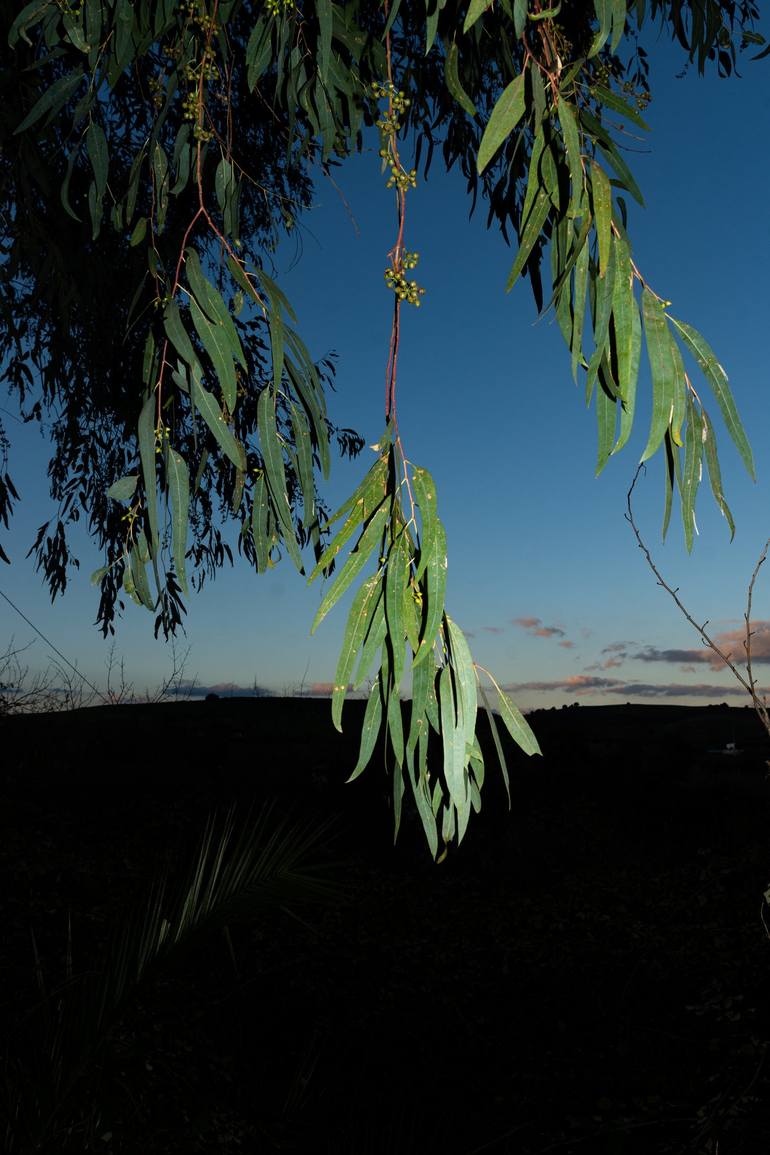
535,627
567,645
493,629
729,641
582,685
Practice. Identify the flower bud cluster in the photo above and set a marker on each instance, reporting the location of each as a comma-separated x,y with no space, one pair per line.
408,291
275,7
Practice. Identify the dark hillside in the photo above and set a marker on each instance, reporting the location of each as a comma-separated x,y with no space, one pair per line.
588,973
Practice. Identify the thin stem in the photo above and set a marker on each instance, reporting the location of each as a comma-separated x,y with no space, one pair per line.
750,686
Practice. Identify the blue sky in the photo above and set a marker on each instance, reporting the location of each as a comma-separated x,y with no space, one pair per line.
544,572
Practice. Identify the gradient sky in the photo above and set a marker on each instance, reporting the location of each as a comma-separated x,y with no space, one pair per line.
544,572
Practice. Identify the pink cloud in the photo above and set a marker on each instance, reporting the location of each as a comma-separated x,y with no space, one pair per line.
567,645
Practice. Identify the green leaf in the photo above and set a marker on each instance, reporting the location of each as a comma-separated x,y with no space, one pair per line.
606,419
177,335
571,133
359,506
374,636
370,539
30,15
476,8
216,345
423,678
369,731
603,309
179,493
717,379
662,368
209,410
397,572
515,723
449,730
139,578
610,99
272,454
626,177
139,233
498,744
212,304
623,306
357,622
714,472
601,199
396,726
579,309
529,236
146,431
630,376
261,530
435,579
53,99
98,574
465,679
504,117
123,489
693,450
453,82
425,496
301,432
96,143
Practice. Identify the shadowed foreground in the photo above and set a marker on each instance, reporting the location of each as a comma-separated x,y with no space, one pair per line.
587,974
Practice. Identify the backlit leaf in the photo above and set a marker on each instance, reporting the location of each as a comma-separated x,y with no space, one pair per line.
532,229
179,494
123,489
475,9
370,730
504,117
146,430
453,83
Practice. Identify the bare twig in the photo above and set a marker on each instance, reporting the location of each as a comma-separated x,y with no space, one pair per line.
749,682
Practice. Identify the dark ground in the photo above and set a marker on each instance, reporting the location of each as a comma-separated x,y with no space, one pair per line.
589,973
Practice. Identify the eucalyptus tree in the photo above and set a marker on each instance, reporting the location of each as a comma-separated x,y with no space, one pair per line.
152,150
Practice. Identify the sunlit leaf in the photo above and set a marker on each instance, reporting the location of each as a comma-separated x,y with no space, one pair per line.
714,472
427,502
601,199
355,629
717,379
435,590
662,368
370,539
370,730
